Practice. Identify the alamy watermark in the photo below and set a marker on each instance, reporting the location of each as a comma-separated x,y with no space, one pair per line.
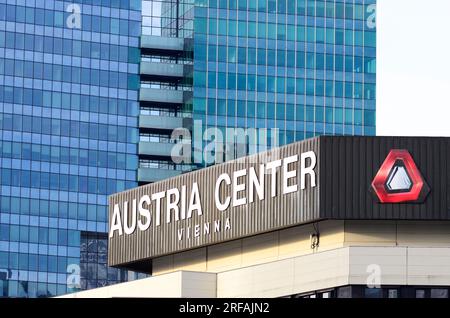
73,21
73,279
372,18
214,145
374,278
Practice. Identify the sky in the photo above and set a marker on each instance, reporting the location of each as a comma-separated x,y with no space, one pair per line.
413,67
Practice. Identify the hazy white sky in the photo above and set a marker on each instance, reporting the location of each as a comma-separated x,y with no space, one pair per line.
413,67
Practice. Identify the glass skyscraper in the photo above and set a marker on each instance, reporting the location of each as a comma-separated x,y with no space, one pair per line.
68,138
305,67
295,68
91,93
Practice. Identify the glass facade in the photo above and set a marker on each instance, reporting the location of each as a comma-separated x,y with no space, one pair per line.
168,18
68,138
284,70
305,67
94,271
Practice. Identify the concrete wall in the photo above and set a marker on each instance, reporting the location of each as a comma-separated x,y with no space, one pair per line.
343,266
254,250
178,284
286,277
296,241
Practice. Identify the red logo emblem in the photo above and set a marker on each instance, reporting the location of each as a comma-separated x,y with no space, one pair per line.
399,179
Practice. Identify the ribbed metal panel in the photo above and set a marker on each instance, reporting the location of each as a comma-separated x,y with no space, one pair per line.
250,219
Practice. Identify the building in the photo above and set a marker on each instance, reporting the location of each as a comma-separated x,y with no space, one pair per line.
88,107
326,217
292,69
69,84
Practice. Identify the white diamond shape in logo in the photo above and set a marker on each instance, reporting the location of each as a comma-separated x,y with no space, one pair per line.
399,180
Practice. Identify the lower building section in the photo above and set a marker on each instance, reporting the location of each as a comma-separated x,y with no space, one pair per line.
325,259
359,291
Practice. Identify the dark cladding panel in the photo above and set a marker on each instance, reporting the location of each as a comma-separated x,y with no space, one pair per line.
349,165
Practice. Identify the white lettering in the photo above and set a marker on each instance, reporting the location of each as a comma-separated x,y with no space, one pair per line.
183,202
272,166
180,234
172,205
116,222
256,184
194,202
307,170
289,175
144,213
238,187
222,206
227,224
126,226
197,230
217,226
228,190
158,196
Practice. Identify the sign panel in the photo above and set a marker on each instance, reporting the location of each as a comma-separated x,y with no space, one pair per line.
354,178
241,198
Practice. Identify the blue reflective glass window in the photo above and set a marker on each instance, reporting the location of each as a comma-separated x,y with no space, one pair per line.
310,87
53,236
261,110
241,82
14,233
4,260
25,178
369,118
251,56
43,262
13,264
35,179
53,264
211,80
23,261
348,116
34,234
261,83
231,81
251,82
4,232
